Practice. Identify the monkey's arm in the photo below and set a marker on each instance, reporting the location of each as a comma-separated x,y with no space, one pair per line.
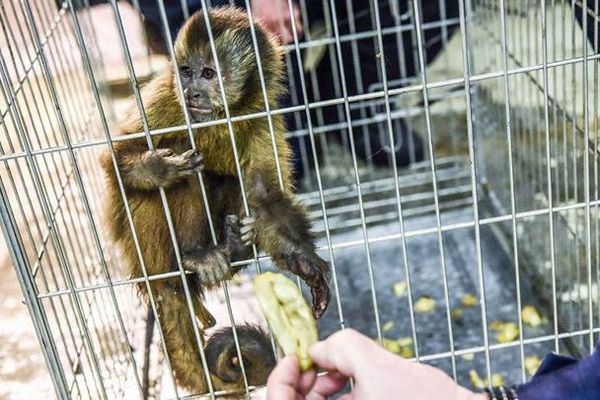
283,230
144,169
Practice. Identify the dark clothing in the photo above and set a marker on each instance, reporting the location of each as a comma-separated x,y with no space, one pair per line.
562,378
593,16
401,61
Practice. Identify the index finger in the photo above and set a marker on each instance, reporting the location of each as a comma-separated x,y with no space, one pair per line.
344,351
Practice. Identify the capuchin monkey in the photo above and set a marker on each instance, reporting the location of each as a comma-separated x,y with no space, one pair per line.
277,225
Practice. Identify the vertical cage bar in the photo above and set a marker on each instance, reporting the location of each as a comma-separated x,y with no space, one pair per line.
82,248
396,183
512,188
313,145
550,197
34,305
355,166
586,176
597,133
425,93
95,89
474,189
79,180
46,209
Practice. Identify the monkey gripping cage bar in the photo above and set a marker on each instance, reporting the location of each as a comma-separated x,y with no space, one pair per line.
498,200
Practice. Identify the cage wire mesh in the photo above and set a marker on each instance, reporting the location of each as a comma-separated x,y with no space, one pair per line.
497,196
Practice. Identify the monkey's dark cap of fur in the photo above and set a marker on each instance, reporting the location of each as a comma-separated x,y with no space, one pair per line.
230,28
235,51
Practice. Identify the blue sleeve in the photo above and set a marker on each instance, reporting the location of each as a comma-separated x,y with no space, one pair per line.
561,378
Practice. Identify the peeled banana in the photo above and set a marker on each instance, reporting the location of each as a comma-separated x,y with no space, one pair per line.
287,313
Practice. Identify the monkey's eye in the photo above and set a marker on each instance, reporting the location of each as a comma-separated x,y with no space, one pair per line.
185,71
208,73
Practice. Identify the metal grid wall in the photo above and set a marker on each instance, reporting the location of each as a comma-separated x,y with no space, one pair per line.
49,202
510,131
553,151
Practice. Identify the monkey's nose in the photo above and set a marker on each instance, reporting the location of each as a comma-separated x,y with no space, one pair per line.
192,94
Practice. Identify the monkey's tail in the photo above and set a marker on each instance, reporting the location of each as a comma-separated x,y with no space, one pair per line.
220,350
147,343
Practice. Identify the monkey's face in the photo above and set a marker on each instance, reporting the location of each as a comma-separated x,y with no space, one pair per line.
235,52
200,88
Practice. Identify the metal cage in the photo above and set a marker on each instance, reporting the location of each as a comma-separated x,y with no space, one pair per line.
502,204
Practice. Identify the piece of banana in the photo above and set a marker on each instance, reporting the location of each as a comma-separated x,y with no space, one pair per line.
287,313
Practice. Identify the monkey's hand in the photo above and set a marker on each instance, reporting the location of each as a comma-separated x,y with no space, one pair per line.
164,168
313,270
177,166
211,265
283,230
239,236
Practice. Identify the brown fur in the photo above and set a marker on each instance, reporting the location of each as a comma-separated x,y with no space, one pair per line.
284,234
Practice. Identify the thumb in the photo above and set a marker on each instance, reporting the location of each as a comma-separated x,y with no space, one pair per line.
344,351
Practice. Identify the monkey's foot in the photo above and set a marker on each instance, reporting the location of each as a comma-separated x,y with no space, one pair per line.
211,265
313,270
239,235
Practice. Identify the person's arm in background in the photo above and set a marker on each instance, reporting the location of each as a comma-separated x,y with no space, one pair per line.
275,15
562,378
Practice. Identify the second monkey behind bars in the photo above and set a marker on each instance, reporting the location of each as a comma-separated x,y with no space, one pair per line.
281,228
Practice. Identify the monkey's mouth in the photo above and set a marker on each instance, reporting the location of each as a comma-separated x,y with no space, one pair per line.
199,110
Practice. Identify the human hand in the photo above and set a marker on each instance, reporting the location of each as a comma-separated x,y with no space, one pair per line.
376,373
275,16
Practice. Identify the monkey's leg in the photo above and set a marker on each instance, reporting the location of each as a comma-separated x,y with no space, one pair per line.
283,230
180,340
149,169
